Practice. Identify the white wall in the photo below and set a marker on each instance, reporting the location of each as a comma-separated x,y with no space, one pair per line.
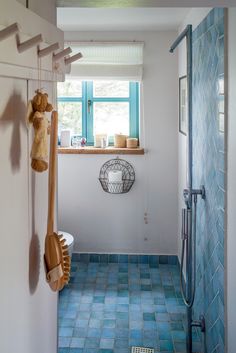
44,8
23,2
194,17
28,307
114,223
231,180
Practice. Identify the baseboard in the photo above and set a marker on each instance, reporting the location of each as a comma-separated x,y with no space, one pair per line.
154,260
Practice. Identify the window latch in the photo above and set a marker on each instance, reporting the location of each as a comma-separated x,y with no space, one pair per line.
89,105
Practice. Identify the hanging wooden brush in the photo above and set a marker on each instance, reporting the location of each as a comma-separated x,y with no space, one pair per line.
56,257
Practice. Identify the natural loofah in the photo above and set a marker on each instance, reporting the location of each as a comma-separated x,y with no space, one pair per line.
36,115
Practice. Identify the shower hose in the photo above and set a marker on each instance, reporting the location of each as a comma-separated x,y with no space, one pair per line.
189,300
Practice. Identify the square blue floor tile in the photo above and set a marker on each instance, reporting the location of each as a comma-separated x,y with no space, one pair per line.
70,314
111,315
64,342
66,322
160,309
66,332
122,308
149,325
97,315
94,323
134,259
136,316
80,332
84,315
109,307
143,259
94,332
63,350
147,308
107,343
136,334
109,323
122,316
146,287
135,300
149,334
164,335
135,307
163,259
104,258
123,259
150,343
122,300
113,258
135,325
166,345
149,317
122,323
86,300
178,335
77,342
122,350
121,343
81,323
177,326
92,342
180,346
121,333
162,317
98,299
108,333
135,342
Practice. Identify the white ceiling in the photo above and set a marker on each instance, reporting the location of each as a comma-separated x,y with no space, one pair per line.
111,19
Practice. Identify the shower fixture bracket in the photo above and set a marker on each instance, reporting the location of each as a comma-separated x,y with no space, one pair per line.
201,192
200,323
188,193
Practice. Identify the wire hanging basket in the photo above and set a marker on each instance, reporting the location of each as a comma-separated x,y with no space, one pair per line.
117,176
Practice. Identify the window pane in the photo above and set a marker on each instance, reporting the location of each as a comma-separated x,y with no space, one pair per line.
111,118
69,88
113,89
70,117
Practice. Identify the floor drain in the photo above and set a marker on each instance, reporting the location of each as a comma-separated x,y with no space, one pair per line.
142,350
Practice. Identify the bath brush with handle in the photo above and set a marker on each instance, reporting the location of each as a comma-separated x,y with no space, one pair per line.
56,257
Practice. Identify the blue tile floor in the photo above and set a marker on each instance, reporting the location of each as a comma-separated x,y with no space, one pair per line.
110,307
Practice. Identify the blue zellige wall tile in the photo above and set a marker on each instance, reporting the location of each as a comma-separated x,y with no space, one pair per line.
209,170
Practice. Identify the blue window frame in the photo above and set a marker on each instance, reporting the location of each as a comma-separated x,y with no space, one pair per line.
88,100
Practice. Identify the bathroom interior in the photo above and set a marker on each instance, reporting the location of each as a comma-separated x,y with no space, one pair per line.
132,165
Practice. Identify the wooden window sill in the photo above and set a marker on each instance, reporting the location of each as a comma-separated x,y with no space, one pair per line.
93,150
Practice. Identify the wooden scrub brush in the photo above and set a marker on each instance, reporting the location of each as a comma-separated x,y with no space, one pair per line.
56,257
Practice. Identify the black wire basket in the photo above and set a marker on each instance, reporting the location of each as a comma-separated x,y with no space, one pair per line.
128,176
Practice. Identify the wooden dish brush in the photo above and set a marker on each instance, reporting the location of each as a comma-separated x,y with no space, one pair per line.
56,257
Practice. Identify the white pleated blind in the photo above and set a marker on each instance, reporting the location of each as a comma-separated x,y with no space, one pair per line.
123,60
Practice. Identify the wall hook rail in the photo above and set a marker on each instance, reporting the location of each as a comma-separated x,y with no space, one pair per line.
73,58
62,54
46,51
9,31
28,43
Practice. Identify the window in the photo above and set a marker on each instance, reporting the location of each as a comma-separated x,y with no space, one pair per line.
95,107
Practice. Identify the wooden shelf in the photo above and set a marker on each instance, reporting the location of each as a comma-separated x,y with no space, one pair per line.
93,150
